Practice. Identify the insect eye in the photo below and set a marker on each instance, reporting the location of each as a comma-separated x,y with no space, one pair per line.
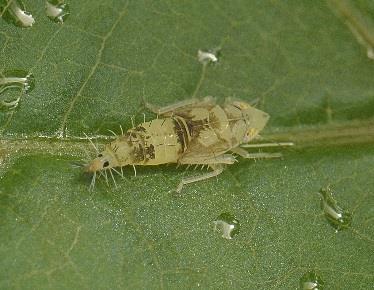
100,155
106,164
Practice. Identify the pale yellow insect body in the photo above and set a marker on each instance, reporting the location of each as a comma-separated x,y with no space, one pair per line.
193,132
140,146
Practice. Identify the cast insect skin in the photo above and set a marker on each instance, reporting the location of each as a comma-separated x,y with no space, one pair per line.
192,132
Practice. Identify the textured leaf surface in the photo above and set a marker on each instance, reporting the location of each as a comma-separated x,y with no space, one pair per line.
302,62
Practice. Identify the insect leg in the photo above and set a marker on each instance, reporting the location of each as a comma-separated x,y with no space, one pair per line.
261,145
119,173
230,100
216,163
132,121
221,159
217,169
185,103
166,109
92,185
106,178
115,135
254,102
241,152
114,181
134,170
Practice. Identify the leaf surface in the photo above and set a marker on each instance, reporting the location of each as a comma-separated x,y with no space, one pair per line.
301,61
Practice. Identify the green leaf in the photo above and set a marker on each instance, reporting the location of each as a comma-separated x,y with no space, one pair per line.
306,62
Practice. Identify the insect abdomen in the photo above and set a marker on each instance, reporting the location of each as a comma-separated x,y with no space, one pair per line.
158,142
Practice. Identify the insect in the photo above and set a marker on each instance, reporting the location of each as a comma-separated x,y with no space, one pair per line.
191,132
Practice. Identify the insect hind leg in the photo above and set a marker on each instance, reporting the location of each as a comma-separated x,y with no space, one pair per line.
259,155
217,169
263,145
216,163
243,153
168,110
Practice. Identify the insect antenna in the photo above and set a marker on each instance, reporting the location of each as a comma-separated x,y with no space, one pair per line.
97,145
121,171
88,157
132,121
114,181
143,117
93,145
87,154
78,164
121,129
134,170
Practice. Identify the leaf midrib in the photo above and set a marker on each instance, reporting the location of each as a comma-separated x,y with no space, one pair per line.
333,134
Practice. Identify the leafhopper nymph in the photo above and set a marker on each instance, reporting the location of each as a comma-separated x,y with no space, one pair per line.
191,132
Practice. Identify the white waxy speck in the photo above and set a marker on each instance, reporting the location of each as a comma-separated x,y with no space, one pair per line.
337,216
309,286
57,12
205,57
227,224
225,228
311,281
370,53
14,81
52,10
332,212
362,40
24,17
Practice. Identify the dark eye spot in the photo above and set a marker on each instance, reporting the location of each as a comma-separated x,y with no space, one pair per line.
100,155
106,164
